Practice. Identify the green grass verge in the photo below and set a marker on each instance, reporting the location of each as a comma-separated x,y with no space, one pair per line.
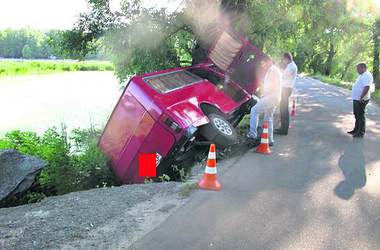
333,81
375,96
15,68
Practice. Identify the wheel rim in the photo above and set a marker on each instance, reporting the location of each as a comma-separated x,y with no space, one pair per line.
223,126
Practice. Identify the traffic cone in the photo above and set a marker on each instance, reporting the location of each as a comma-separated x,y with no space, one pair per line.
264,144
209,180
294,112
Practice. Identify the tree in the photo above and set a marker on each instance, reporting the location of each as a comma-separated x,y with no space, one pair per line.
376,51
142,40
321,34
28,43
27,52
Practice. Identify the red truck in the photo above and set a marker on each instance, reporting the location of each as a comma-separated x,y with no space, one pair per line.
171,112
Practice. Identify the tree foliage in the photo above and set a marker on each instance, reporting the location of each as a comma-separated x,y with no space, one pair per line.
35,44
26,43
325,36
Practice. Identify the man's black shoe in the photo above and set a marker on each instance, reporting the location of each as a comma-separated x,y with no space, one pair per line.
270,144
357,135
280,132
352,132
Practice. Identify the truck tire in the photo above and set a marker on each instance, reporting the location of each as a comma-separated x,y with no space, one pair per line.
219,131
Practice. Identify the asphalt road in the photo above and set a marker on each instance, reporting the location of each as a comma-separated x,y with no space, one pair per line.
319,189
77,99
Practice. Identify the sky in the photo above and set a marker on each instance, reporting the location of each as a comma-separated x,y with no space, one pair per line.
54,14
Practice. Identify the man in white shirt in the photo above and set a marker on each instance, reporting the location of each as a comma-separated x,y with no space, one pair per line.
270,98
361,96
288,78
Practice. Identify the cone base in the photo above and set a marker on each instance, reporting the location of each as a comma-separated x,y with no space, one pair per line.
263,150
211,185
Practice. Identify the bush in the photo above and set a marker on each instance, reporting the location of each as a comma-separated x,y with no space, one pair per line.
21,70
92,67
66,68
109,68
75,162
51,66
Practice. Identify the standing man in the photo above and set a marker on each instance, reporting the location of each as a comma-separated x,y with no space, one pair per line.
360,97
288,78
270,98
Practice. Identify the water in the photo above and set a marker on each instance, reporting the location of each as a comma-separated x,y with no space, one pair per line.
78,99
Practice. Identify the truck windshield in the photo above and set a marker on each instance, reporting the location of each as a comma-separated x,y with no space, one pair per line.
167,82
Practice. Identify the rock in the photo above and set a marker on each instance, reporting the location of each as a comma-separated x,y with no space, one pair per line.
17,171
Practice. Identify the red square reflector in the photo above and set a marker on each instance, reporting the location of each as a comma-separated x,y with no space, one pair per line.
147,165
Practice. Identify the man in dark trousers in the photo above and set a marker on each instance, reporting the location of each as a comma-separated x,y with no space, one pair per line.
361,96
289,75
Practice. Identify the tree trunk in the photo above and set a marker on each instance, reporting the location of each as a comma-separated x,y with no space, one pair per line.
199,54
330,57
376,33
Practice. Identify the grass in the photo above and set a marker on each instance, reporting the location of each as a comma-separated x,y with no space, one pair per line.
333,81
15,68
348,85
187,190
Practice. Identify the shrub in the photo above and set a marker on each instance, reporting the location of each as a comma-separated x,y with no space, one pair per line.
51,66
66,68
109,68
21,70
93,67
75,162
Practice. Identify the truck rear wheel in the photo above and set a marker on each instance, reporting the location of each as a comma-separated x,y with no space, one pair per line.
219,131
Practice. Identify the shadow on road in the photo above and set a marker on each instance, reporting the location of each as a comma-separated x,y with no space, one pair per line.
352,164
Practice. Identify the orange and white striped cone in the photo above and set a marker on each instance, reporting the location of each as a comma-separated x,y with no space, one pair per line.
264,144
209,180
294,112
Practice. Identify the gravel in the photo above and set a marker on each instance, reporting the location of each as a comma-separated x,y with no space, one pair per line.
103,218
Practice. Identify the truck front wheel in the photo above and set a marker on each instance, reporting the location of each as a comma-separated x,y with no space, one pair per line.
219,131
